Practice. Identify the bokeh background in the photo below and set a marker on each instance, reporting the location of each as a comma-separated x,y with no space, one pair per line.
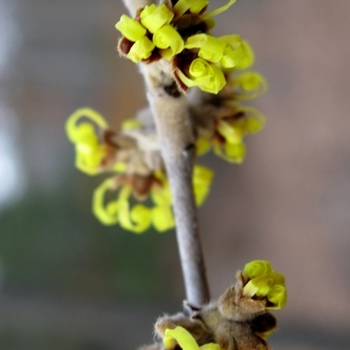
66,282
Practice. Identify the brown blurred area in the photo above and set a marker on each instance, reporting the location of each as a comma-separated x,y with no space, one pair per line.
69,283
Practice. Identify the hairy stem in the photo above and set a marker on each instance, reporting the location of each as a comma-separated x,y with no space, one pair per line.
170,110
171,113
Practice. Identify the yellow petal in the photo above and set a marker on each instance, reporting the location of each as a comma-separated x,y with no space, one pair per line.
220,9
142,49
106,213
235,152
120,167
249,56
74,130
231,132
194,6
202,178
251,82
182,337
130,28
136,219
154,17
130,124
203,145
257,268
206,76
234,52
168,38
278,297
162,218
210,48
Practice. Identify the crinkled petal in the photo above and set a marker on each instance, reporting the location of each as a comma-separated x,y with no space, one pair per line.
277,296
141,50
154,17
169,41
202,178
194,6
257,268
106,213
130,28
162,218
220,9
76,131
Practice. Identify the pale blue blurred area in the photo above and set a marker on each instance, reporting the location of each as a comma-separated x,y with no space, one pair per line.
69,283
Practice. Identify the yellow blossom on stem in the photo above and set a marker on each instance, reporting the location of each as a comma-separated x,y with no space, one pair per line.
264,283
139,217
169,41
80,128
207,76
248,85
185,340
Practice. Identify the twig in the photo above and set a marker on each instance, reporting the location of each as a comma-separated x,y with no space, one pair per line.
170,110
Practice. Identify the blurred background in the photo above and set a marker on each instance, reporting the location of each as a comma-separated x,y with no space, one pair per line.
67,282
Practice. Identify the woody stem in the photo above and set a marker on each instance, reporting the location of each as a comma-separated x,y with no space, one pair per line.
170,110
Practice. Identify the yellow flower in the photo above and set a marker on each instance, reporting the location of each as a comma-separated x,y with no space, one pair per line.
169,41
265,283
194,6
139,218
81,131
251,85
206,76
235,54
185,340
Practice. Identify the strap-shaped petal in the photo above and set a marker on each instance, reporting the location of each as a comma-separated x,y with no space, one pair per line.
130,28
154,17
194,6
235,152
184,338
234,51
75,131
250,56
136,219
229,132
181,336
141,50
169,41
162,218
106,213
257,268
206,76
220,9
252,85
277,296
202,178
210,48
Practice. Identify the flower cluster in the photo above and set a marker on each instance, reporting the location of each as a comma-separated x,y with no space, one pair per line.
222,121
235,321
133,159
179,32
263,283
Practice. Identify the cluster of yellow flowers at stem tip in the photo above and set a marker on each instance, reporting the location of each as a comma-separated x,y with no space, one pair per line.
180,33
261,282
